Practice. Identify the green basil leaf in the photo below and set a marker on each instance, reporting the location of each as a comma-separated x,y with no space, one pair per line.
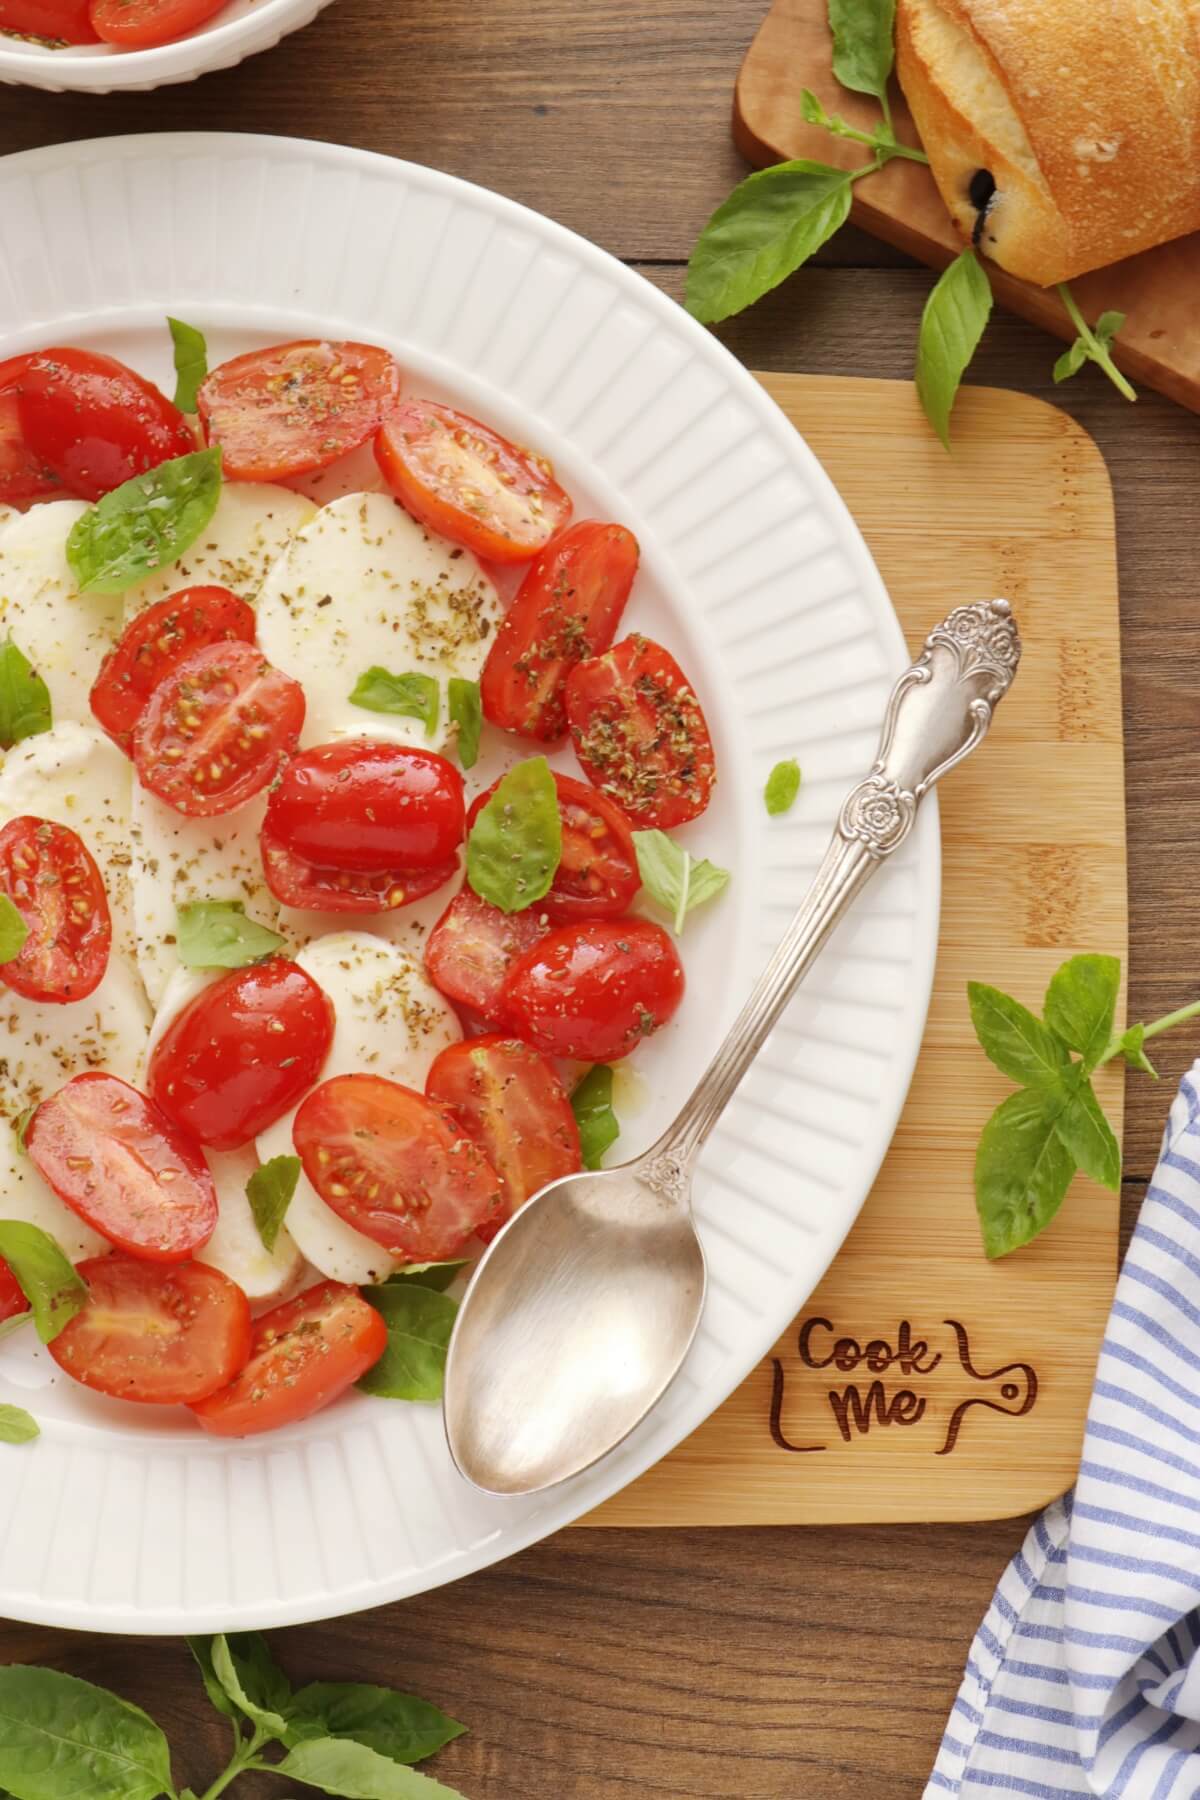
252,1679
863,44
783,784
13,930
438,1276
24,697
17,1426
673,877
218,934
419,1323
337,1766
768,227
951,326
1131,1049
414,696
1017,1042
1022,1170
191,362
1108,325
60,1737
466,711
144,524
1089,1137
1071,361
515,844
54,1289
201,1649
269,1191
398,1726
591,1102
1080,1003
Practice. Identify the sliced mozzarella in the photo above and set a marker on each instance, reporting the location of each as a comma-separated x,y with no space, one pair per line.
76,776
63,633
365,585
252,523
390,1021
176,859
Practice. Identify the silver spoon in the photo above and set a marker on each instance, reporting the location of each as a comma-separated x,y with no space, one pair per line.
584,1307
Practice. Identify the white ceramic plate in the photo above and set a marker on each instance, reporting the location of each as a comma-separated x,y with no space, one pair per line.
752,571
239,30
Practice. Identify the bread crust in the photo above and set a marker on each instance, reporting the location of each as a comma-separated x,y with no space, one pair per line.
1085,112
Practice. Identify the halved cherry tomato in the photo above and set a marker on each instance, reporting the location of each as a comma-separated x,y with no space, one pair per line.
470,484
216,730
63,21
153,645
12,1296
24,477
159,1336
242,1052
117,1160
139,24
472,947
388,1163
509,1099
49,875
295,882
94,422
640,733
594,991
304,1354
295,407
567,608
597,876
365,805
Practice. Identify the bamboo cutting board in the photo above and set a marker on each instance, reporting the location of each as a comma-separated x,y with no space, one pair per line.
921,1381
1160,342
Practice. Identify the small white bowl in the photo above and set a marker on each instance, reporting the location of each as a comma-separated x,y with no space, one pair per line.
239,30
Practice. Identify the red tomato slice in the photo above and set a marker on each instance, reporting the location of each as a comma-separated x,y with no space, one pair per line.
217,729
567,608
24,478
594,991
472,947
139,24
295,882
388,1163
94,422
509,1100
50,877
117,1160
365,805
468,483
242,1053
12,1298
158,1336
62,21
641,735
598,875
295,407
154,644
304,1354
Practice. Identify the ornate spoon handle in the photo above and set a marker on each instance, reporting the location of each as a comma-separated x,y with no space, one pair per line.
939,710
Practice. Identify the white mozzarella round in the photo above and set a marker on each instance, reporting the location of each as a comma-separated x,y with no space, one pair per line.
76,776
364,585
390,1021
64,633
252,523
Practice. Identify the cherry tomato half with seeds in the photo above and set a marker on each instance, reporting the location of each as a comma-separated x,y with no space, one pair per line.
387,1162
216,729
141,24
242,1053
640,734
365,805
49,874
594,991
160,1336
13,1303
509,1100
153,645
303,1355
94,422
566,609
470,484
295,882
117,1160
597,876
24,478
472,947
62,21
295,407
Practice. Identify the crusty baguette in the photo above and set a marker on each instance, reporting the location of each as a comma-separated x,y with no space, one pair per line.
1063,134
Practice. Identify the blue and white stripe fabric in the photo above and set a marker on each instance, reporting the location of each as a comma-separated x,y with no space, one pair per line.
1084,1679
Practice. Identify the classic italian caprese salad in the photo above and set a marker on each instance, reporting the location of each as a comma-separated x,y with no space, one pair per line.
125,24
293,1020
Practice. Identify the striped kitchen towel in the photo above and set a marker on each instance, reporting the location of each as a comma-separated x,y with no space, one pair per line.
1084,1678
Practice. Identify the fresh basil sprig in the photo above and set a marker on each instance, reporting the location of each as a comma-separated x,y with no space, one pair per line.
24,698
673,877
783,785
54,1289
952,324
413,695
515,844
591,1102
191,362
17,1426
1093,344
218,934
465,708
419,1322
269,1191
13,930
145,523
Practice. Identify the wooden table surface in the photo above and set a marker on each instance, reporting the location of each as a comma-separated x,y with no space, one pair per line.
745,1665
